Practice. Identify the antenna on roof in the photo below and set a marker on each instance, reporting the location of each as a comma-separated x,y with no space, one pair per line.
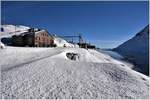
15,29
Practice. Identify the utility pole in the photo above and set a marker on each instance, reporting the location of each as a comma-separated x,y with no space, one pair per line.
15,29
80,38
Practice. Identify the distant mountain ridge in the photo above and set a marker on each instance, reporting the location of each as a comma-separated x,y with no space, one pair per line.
136,50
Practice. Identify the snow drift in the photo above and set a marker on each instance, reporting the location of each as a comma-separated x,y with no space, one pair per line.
47,73
136,50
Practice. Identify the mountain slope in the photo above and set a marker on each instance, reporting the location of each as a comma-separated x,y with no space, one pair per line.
136,50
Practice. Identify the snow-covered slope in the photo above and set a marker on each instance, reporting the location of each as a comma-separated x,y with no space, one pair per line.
9,30
136,50
48,73
61,42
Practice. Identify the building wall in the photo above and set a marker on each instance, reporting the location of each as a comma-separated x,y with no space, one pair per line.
43,39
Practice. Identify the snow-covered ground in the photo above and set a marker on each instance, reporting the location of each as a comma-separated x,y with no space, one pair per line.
49,73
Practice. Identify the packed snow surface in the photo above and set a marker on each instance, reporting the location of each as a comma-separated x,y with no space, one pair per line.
47,73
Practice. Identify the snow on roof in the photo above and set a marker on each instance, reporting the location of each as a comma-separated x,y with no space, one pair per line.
40,31
10,30
14,28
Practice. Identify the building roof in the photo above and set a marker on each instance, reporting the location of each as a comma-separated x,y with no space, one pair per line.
40,31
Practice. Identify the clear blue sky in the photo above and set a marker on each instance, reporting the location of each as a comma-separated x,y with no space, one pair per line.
105,24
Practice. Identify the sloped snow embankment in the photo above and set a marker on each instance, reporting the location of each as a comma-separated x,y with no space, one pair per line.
61,42
93,75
